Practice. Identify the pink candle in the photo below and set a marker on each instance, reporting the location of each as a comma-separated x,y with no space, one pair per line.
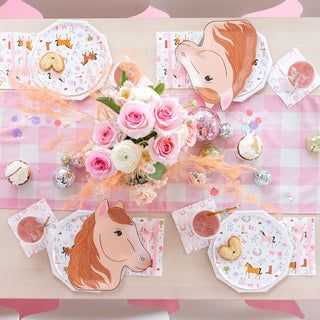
30,230
206,226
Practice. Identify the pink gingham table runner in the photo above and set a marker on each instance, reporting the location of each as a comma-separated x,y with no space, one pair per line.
296,178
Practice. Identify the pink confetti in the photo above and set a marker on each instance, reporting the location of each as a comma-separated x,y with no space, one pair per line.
214,191
249,112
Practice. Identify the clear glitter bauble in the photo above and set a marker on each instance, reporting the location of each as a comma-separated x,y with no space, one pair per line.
208,124
77,160
198,177
66,159
226,131
210,151
262,178
313,144
63,178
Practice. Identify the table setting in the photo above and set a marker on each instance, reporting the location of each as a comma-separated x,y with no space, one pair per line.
107,170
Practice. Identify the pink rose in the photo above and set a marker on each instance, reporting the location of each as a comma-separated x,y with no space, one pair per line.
136,119
98,163
192,129
169,116
164,149
104,134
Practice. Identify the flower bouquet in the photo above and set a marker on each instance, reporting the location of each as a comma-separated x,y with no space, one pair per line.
143,135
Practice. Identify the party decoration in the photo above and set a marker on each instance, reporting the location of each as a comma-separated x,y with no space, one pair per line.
220,65
257,270
18,172
66,159
208,124
250,122
226,131
70,57
313,144
140,137
144,137
197,177
262,178
211,151
63,178
111,244
77,160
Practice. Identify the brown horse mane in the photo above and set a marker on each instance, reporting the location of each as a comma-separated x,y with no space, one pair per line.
241,50
85,267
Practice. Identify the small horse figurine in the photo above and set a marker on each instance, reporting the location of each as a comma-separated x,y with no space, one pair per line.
250,269
107,242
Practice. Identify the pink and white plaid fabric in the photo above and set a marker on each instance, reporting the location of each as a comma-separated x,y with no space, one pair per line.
296,178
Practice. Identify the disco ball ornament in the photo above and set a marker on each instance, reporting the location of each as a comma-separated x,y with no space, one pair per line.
66,159
262,178
63,178
210,151
313,144
226,131
208,124
77,160
197,177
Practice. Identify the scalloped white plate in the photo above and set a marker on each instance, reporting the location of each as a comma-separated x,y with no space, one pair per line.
75,41
267,248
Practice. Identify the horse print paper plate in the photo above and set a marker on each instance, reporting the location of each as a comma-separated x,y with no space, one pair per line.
88,251
266,252
70,57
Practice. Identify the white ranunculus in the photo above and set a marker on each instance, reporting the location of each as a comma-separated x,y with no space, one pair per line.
183,134
126,156
144,94
124,94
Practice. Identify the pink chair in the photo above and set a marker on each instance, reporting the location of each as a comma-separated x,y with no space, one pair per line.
27,307
152,12
17,9
288,8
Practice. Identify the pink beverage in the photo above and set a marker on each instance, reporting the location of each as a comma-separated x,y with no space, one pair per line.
204,225
301,74
30,230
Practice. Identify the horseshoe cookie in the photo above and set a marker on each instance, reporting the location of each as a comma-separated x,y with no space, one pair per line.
232,251
52,60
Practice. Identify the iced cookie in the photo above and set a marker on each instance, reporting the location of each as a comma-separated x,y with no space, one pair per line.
250,147
52,60
232,251
18,172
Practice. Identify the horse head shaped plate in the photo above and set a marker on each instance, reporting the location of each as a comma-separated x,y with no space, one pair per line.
220,65
88,251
